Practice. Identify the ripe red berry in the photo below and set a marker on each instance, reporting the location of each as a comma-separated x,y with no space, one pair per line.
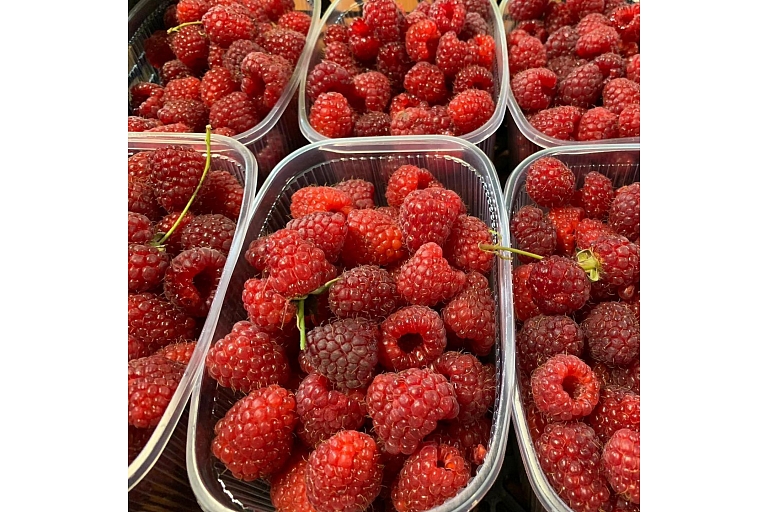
175,173
285,43
372,124
327,230
328,76
473,382
633,68
264,78
470,110
452,54
534,88
473,77
154,322
596,195
601,39
620,93
461,248
582,86
629,121
624,214
405,180
393,62
372,90
288,488
534,232
427,278
225,24
412,337
373,238
428,215
315,199
366,291
267,308
323,411
192,278
550,182
386,19
190,46
561,42
613,333
362,41
617,408
187,88
296,267
139,228
621,461
297,21
146,267
421,40
564,388
471,315
180,352
557,122
427,82
598,123
525,308
236,110
566,219
215,231
448,14
405,100
545,336
152,381
527,52
558,285
331,115
234,55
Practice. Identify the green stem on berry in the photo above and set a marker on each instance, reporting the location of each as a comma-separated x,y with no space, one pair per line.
301,326
495,248
178,27
318,291
199,184
586,260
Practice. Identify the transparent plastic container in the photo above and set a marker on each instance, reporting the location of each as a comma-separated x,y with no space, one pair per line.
344,11
157,478
524,139
620,163
277,134
460,166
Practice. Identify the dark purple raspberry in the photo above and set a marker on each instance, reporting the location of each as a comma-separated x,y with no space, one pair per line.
209,230
372,124
366,291
613,333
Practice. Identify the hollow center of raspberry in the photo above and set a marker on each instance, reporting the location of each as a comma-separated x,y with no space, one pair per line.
205,283
408,342
571,386
440,463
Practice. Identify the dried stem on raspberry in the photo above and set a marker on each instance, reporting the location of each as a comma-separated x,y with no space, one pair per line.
179,27
495,249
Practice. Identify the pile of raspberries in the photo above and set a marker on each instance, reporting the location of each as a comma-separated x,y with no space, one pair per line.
171,281
430,71
365,369
574,67
578,336
226,64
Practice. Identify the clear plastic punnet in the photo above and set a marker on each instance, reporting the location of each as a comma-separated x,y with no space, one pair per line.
460,166
277,134
524,139
344,11
157,478
620,163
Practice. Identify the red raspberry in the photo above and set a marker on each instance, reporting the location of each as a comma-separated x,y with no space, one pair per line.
558,15
185,88
461,248
146,267
624,214
344,473
173,245
297,21
590,22
314,199
221,193
215,56
405,180
566,219
327,230
405,100
157,50
345,352
216,84
341,54
152,381
191,10
558,285
236,111
452,54
430,477
175,173
256,254
618,408
286,43
373,238
174,69
372,124
470,438
470,110
598,123
633,68
618,260
427,82
393,62
557,122
247,359
626,20
296,266
264,78
362,41
288,488
535,28
629,121
386,19
225,24
573,472
448,14
255,436
139,228
190,46
561,43
619,93
588,231
628,376
412,337
473,77
372,91
266,308
209,230
611,65
171,128
324,411
192,113
428,215
328,76
421,395
471,315
481,7
422,121
139,124
138,165
596,195
550,182
484,47
528,53
192,278
336,34
179,352
621,462
141,198
613,333
601,39
534,232
525,308
520,10
581,8
421,41
154,322
233,57
534,88
331,115
275,8
564,388
545,336
581,88
473,382
366,291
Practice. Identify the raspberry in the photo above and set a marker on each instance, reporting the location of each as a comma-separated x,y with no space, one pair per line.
138,165
534,88
628,376
534,232
619,93
331,115
558,15
596,195
528,53
471,315
481,7
139,228
141,198
520,10
266,308
569,454
180,352
428,215
581,88
557,122
599,40
470,110
362,41
550,182
225,24
565,387
581,8
288,488
405,100
256,253
393,62
344,473
385,18
192,113
566,219
173,243
611,65
152,381
296,267
324,411
216,84
286,43
191,10
405,180
406,406
190,47
561,43
221,193
633,68
264,78
233,57
621,462
473,77
430,477
146,267
174,69
473,382
618,408
171,128
192,278
345,352
597,124
314,199
373,238
535,28
255,436
613,333
427,278
629,121
545,336
558,285
485,50
452,54
139,124
185,88
562,66
209,230
372,124
525,308
422,121
412,337
175,173
461,248
327,230
297,21
157,50
154,322
371,90
588,231
591,22
336,34
421,40
448,14
618,260
626,20
427,82
366,291
470,438
328,76
341,54
236,111
624,214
